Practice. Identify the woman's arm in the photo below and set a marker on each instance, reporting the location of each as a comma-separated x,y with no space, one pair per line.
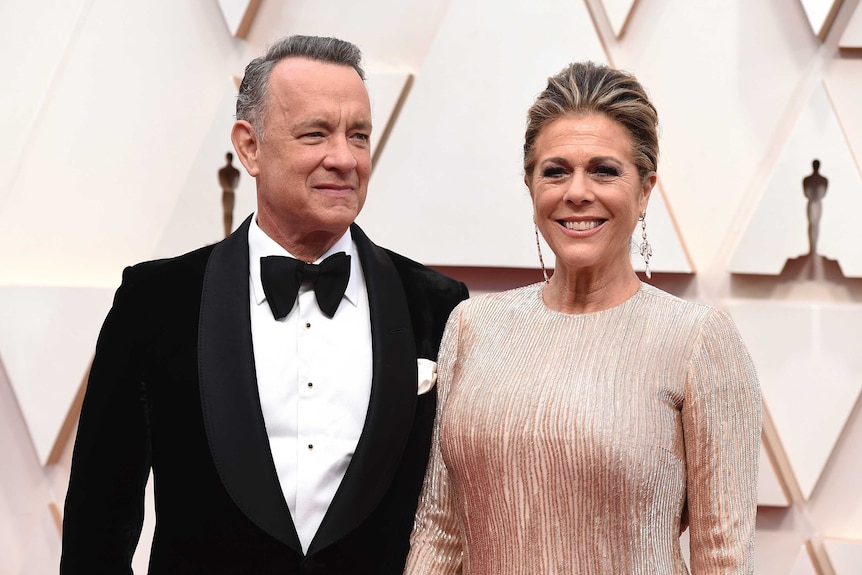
721,422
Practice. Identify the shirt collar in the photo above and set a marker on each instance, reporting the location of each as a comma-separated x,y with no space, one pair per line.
261,245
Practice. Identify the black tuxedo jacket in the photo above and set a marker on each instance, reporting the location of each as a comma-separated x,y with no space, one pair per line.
173,388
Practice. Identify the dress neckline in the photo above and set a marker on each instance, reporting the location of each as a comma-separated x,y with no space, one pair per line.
537,287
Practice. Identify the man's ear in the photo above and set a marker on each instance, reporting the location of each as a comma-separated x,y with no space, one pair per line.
245,142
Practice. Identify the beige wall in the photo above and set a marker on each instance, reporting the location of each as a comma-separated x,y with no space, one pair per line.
116,116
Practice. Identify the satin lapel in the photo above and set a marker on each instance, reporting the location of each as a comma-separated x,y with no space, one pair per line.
392,404
229,398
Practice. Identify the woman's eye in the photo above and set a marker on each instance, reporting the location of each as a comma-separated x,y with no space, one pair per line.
607,171
553,172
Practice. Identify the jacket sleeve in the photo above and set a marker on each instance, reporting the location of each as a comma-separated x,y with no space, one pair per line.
111,459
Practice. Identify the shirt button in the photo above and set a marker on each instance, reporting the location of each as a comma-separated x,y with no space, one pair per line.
310,447
310,385
307,325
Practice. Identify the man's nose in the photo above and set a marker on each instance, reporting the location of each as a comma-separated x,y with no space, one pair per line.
340,155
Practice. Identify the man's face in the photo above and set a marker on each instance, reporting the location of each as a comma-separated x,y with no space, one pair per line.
313,162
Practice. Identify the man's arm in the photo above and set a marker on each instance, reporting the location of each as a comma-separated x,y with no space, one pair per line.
111,460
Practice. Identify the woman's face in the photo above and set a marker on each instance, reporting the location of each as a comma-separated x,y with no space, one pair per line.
587,193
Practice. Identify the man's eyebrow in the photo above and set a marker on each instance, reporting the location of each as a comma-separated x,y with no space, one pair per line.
312,123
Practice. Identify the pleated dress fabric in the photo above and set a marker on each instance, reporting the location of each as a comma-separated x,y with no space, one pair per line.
584,443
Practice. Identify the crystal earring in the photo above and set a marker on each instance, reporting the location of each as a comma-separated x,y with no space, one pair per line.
539,249
645,247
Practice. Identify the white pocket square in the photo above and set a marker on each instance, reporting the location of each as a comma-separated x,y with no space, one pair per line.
427,374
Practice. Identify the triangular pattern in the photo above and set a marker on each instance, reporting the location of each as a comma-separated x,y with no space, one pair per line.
465,115
845,556
239,15
778,229
844,84
47,339
618,12
820,14
769,489
803,564
808,362
851,38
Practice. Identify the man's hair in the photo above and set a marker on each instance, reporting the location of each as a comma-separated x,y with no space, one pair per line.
251,102
590,88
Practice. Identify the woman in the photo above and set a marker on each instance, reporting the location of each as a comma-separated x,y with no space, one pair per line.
585,421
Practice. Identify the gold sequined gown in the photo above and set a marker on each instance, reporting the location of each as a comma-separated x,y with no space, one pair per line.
579,443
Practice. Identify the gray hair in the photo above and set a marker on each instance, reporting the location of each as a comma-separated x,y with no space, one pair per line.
251,102
590,88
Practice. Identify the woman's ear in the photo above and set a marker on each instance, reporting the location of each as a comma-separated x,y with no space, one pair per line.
646,189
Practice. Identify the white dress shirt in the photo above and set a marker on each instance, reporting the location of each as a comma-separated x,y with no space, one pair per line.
314,381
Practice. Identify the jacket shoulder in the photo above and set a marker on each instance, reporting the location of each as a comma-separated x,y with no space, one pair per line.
420,278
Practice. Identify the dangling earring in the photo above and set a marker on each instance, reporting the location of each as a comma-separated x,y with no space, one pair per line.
539,249
645,248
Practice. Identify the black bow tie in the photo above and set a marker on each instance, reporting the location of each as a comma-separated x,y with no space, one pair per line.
281,277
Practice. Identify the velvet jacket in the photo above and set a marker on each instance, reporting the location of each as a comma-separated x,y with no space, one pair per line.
173,388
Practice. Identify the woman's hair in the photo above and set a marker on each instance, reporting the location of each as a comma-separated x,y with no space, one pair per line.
590,88
251,102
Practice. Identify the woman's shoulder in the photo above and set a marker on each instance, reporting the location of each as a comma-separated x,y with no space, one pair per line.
680,311
518,296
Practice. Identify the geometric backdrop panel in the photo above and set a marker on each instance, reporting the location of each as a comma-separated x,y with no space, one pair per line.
820,15
803,564
618,12
47,339
778,229
851,38
769,488
809,362
845,556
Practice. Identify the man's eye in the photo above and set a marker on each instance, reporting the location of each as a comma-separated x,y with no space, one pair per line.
363,137
313,135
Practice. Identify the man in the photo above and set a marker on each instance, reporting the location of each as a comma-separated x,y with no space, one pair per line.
284,436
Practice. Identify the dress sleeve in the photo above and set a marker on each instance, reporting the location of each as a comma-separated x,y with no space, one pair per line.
110,465
436,541
721,423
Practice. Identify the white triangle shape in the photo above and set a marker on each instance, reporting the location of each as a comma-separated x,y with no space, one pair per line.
47,339
820,14
238,15
778,229
808,362
851,38
618,12
803,565
769,489
845,556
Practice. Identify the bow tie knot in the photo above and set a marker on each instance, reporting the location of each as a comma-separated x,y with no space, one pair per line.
282,276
